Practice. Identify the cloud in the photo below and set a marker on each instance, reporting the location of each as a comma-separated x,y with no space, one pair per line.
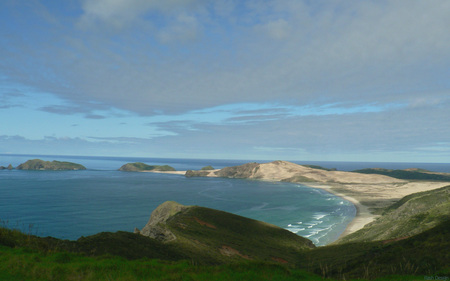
185,28
277,29
123,13
343,50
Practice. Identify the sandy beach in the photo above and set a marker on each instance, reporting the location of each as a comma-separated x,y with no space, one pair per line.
368,198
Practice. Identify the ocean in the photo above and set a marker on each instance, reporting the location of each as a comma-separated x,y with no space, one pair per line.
71,204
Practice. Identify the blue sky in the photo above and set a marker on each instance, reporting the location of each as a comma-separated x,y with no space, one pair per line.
262,80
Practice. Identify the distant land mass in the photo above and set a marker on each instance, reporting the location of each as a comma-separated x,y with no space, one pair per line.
291,172
142,167
38,164
407,174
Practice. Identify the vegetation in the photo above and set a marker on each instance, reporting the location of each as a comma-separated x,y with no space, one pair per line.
411,215
320,167
25,257
426,254
207,168
139,167
38,164
408,174
216,237
215,245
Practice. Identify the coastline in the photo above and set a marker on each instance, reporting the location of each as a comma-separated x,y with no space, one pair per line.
367,197
370,197
362,217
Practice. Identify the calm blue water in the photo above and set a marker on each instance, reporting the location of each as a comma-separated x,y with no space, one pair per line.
71,204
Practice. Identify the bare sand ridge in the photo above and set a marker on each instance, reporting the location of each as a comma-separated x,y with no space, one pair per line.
368,192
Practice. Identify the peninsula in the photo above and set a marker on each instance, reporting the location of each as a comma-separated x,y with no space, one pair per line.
370,193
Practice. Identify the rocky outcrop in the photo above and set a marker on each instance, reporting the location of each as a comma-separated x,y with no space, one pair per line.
156,226
142,167
38,164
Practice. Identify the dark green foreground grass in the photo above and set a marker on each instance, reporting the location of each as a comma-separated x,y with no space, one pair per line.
23,264
128,256
26,264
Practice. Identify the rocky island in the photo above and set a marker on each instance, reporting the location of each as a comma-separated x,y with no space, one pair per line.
38,164
142,167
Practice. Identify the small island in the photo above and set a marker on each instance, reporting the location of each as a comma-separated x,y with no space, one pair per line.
38,164
10,167
142,167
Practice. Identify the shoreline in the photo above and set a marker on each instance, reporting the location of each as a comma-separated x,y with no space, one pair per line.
370,197
366,197
362,217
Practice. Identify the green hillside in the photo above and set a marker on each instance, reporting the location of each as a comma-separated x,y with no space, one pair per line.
425,254
215,245
218,236
410,216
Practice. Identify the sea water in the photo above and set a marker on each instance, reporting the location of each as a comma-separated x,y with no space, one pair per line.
71,204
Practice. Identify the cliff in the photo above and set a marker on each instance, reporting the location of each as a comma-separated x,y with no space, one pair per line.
142,167
38,164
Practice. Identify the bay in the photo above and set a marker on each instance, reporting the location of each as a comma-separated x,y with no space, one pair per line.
71,204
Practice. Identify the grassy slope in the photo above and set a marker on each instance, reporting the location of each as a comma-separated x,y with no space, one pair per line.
214,236
412,259
411,215
196,254
424,254
23,264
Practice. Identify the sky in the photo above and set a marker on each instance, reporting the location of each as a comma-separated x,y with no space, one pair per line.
323,80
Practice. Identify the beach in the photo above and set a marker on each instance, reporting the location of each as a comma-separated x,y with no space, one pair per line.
368,198
368,192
